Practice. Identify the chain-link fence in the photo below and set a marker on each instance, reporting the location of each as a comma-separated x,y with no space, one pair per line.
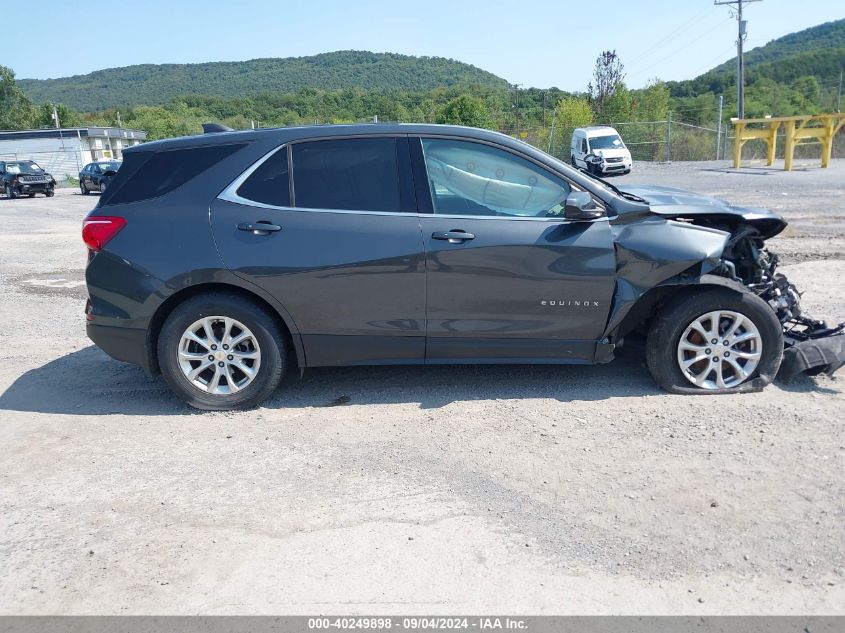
671,140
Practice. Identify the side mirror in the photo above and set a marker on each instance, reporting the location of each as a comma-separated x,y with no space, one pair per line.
581,206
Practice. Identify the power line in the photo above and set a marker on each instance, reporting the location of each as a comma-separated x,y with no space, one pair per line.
687,44
659,43
708,65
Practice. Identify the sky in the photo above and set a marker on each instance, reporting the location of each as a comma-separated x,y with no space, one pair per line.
536,43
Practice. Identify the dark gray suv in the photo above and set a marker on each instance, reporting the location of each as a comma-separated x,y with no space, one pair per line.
224,259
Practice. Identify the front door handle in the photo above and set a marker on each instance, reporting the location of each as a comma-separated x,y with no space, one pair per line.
262,227
455,236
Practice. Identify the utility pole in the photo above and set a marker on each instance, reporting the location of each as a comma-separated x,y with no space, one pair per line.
669,138
55,117
719,126
740,59
118,118
544,108
516,107
839,96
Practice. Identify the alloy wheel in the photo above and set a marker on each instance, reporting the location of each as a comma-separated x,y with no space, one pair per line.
219,355
719,350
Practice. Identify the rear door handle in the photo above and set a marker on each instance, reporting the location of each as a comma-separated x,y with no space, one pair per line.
455,236
262,227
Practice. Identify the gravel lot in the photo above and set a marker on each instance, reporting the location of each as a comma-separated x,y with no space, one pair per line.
417,490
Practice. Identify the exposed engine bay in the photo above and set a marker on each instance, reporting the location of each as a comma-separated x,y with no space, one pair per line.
810,344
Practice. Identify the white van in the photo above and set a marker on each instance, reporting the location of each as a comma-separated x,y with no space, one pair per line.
599,150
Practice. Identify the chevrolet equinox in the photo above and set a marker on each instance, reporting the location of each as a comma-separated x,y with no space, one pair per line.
222,260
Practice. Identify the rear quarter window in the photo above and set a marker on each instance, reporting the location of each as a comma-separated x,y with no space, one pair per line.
269,184
146,175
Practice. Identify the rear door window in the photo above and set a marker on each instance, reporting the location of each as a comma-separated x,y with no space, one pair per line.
356,174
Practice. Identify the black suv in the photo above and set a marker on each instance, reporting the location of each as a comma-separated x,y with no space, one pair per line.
97,176
25,178
223,259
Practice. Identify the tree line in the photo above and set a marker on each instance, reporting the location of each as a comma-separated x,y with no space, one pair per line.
543,117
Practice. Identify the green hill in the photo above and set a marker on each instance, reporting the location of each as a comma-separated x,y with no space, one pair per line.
795,73
824,37
159,83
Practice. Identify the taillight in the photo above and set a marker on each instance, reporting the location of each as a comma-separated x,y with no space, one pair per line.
98,230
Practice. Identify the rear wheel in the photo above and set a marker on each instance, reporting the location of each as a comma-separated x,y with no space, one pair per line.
103,185
220,352
83,188
717,340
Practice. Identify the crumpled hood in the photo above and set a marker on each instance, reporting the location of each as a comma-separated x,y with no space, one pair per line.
676,203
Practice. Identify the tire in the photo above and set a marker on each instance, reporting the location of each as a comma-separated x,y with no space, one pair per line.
11,194
31,195
672,340
83,188
50,193
103,185
265,336
573,162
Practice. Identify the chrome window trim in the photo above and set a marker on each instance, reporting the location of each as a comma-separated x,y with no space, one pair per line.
229,194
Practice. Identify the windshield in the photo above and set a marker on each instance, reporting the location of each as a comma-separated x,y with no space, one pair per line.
109,166
27,167
611,141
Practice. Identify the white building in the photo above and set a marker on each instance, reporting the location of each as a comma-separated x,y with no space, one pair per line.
63,152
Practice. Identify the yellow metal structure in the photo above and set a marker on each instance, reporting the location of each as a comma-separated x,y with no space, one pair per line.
797,129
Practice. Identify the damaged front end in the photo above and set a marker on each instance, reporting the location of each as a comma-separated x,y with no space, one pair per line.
811,345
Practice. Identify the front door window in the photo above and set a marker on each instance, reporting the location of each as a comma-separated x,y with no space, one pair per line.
469,178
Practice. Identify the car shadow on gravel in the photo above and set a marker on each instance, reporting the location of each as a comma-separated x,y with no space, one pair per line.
87,382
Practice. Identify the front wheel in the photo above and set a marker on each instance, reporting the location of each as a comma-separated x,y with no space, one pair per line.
83,188
219,352
50,193
715,341
11,194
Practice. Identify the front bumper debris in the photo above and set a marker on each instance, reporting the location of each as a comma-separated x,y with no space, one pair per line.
811,347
